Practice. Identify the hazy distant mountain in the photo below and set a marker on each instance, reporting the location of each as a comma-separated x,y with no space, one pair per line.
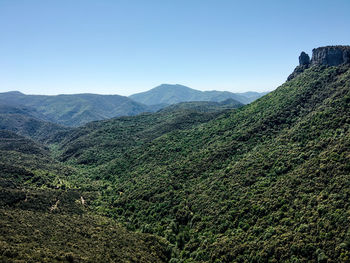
77,109
171,94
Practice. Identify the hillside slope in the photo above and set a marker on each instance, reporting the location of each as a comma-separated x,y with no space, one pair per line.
266,182
99,142
171,94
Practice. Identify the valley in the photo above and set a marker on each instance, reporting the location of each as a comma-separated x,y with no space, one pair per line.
197,181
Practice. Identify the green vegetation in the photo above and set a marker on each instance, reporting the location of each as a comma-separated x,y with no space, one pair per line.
267,182
99,142
29,236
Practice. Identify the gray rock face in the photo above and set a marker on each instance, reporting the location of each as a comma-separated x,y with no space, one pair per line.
331,55
326,56
304,59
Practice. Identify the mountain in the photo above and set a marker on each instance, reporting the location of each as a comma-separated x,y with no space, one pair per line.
76,109
268,182
171,94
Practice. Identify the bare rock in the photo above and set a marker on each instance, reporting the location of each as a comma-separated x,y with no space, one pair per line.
331,55
304,59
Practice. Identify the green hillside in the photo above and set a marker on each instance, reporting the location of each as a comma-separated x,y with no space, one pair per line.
99,142
268,182
172,94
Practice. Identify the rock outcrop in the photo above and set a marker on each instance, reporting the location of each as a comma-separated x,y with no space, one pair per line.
304,59
331,55
322,56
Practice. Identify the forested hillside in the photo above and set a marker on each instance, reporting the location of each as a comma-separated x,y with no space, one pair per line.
266,182
99,142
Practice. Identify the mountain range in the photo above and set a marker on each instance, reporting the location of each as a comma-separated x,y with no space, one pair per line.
264,182
78,109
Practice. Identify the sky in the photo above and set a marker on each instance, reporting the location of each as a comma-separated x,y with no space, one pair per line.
129,46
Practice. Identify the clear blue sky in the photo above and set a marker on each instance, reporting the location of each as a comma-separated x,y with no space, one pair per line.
124,47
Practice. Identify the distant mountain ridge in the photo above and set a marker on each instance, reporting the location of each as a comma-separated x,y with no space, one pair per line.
76,109
175,93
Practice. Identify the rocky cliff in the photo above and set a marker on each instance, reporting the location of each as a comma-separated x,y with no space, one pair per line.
322,56
331,55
